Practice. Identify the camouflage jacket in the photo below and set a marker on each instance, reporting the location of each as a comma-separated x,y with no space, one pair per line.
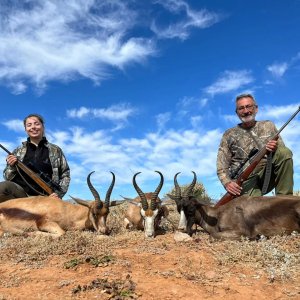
236,145
60,167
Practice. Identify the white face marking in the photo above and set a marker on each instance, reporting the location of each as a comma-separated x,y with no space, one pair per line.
182,221
149,223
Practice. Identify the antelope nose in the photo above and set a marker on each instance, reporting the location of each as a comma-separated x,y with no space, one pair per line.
149,234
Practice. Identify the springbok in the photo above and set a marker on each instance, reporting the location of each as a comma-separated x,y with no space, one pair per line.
178,198
244,216
55,216
145,211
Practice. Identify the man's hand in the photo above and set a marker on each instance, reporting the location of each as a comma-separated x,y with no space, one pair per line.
233,188
272,145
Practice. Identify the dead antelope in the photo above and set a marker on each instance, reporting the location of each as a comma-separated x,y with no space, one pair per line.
55,216
245,216
179,199
145,212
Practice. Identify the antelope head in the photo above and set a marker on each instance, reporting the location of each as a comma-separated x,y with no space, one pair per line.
98,210
182,200
149,211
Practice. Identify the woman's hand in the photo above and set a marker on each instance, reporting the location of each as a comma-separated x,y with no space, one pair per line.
11,160
54,195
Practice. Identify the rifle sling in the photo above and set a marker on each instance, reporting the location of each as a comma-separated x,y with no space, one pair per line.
268,172
23,178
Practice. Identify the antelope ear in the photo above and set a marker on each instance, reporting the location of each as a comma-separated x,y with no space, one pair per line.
115,202
126,198
200,201
82,202
172,197
139,204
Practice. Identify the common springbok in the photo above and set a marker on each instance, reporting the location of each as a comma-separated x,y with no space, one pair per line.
55,216
145,211
244,216
178,198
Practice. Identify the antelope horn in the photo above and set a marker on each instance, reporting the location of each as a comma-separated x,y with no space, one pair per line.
141,194
155,194
96,195
108,193
191,186
177,187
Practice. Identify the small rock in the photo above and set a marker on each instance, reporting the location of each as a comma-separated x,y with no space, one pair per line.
210,275
182,237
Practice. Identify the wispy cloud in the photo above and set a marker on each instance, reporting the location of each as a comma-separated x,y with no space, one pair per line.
55,40
189,19
15,125
229,81
277,112
192,102
278,70
116,113
162,119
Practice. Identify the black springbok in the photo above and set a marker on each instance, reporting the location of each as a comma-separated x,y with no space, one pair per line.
244,216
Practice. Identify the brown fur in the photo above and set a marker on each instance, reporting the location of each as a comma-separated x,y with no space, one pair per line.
49,214
246,216
133,215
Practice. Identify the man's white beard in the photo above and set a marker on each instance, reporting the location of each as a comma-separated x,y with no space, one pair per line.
248,119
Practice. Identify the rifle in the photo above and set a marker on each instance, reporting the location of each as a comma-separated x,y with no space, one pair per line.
36,178
242,176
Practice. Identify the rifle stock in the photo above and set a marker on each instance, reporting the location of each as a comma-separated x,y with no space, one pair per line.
38,180
254,162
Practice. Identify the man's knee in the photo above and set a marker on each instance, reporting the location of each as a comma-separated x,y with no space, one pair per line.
283,153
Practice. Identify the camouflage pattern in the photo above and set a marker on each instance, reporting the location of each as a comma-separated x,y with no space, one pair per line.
237,143
60,167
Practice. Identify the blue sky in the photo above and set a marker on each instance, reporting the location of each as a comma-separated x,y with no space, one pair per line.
138,86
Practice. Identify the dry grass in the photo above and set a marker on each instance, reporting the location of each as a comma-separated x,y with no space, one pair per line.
277,258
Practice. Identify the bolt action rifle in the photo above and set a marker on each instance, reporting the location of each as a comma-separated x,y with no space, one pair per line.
254,160
35,177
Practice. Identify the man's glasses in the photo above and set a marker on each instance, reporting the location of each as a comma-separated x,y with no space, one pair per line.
248,107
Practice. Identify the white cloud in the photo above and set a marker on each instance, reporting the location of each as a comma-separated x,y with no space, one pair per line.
196,121
15,125
190,107
278,70
61,40
117,114
229,81
273,112
80,113
190,19
192,103
162,119
169,152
